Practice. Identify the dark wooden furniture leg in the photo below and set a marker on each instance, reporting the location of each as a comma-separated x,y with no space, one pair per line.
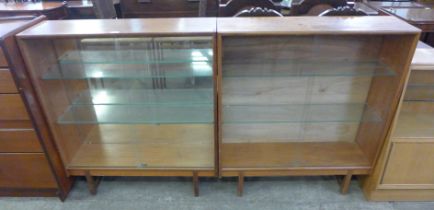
195,184
240,184
92,183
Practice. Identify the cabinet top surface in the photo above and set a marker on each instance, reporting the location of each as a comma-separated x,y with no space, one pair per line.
225,26
314,25
121,27
423,59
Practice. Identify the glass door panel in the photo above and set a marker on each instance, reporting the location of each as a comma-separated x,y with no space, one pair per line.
139,103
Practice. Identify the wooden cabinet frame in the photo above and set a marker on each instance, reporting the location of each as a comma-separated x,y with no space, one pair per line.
393,39
396,51
80,160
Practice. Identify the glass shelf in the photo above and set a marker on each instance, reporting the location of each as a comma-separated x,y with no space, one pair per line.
129,71
133,114
146,96
135,56
304,68
298,113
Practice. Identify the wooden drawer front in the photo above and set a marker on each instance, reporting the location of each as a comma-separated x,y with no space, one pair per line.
12,107
3,62
7,84
19,140
410,163
25,171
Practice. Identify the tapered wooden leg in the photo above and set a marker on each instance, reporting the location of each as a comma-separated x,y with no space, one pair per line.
195,184
92,183
240,184
345,183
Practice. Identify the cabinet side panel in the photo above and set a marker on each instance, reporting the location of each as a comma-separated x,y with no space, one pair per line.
385,92
40,56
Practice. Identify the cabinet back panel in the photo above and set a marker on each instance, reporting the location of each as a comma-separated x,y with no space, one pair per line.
307,88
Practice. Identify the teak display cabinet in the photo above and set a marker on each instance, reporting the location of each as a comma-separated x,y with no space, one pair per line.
308,95
219,96
127,97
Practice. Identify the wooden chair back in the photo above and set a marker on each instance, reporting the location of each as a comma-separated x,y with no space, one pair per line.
258,11
343,11
233,7
314,7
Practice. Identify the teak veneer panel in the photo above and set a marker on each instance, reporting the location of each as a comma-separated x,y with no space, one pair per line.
122,27
292,156
313,25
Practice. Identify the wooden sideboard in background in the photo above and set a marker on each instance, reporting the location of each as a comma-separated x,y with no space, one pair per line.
29,162
52,10
405,170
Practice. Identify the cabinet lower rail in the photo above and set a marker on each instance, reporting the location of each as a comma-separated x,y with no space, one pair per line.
93,176
295,172
140,172
343,175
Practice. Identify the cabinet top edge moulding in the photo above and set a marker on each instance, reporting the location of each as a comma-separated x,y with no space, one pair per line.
122,27
314,25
